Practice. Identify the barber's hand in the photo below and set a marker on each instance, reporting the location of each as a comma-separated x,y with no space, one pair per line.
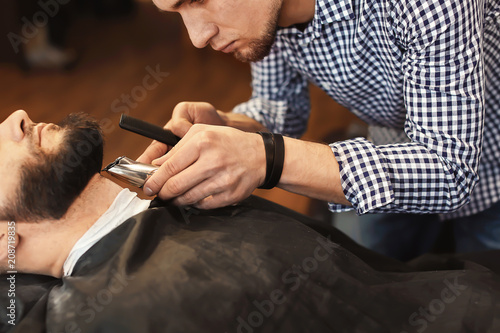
184,115
212,166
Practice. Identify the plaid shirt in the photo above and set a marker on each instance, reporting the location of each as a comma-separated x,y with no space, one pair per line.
424,74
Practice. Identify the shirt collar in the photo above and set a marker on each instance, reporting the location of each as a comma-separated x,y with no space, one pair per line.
328,11
325,12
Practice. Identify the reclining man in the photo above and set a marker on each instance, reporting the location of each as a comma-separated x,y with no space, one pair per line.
123,264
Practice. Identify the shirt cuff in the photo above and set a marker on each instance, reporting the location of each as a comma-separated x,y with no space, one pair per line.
364,176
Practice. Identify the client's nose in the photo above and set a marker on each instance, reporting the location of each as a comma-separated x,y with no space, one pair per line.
14,127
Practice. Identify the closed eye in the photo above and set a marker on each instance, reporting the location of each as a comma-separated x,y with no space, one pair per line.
179,3
196,1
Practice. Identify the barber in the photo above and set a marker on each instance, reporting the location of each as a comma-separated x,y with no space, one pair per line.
421,74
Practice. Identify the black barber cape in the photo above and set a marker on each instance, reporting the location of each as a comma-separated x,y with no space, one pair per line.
255,267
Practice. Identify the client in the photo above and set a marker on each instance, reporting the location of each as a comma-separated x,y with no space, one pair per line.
93,257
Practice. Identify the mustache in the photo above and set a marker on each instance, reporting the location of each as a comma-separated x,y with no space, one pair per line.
28,131
30,136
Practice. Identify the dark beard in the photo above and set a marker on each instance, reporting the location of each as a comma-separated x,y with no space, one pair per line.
52,182
260,48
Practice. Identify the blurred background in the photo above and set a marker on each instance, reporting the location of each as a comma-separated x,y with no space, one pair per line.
108,57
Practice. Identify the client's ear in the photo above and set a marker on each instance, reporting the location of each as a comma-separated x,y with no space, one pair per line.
8,240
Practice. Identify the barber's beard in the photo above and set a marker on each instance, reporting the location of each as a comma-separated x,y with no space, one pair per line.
258,49
50,182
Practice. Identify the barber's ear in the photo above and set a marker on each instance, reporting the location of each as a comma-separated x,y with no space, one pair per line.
9,239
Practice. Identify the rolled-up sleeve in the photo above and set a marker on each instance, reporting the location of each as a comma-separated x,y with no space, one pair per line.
444,101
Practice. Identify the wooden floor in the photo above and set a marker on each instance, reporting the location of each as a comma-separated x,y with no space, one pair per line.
116,56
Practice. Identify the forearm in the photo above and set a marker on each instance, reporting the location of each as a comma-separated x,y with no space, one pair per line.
311,169
240,121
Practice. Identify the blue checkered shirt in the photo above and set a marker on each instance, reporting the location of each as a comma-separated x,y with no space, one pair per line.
424,74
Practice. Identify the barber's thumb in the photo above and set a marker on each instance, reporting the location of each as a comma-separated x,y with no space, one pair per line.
149,187
180,127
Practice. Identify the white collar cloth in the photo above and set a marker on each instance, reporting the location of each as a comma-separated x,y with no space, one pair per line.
125,205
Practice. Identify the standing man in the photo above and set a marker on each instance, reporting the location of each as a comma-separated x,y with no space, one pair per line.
423,74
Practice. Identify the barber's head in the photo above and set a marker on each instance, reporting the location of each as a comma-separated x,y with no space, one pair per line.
46,166
246,28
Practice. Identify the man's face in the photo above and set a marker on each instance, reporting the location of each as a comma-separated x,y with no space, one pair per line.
246,28
44,167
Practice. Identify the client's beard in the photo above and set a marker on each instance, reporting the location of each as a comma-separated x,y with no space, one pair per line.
52,181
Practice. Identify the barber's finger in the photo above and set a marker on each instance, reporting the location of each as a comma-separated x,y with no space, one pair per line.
179,160
208,203
184,141
154,150
160,160
215,200
175,161
220,193
198,192
185,186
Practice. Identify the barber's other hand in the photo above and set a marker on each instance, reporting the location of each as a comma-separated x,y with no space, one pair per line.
212,166
184,115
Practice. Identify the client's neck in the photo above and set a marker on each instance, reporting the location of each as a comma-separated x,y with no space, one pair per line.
92,203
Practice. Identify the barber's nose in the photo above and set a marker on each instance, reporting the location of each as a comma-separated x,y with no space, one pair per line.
200,32
14,126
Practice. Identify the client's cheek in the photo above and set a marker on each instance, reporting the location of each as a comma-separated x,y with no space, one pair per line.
52,141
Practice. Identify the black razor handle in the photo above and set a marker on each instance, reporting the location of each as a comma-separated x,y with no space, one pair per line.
148,130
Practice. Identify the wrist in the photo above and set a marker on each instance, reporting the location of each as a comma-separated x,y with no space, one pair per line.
259,159
275,156
311,169
224,117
